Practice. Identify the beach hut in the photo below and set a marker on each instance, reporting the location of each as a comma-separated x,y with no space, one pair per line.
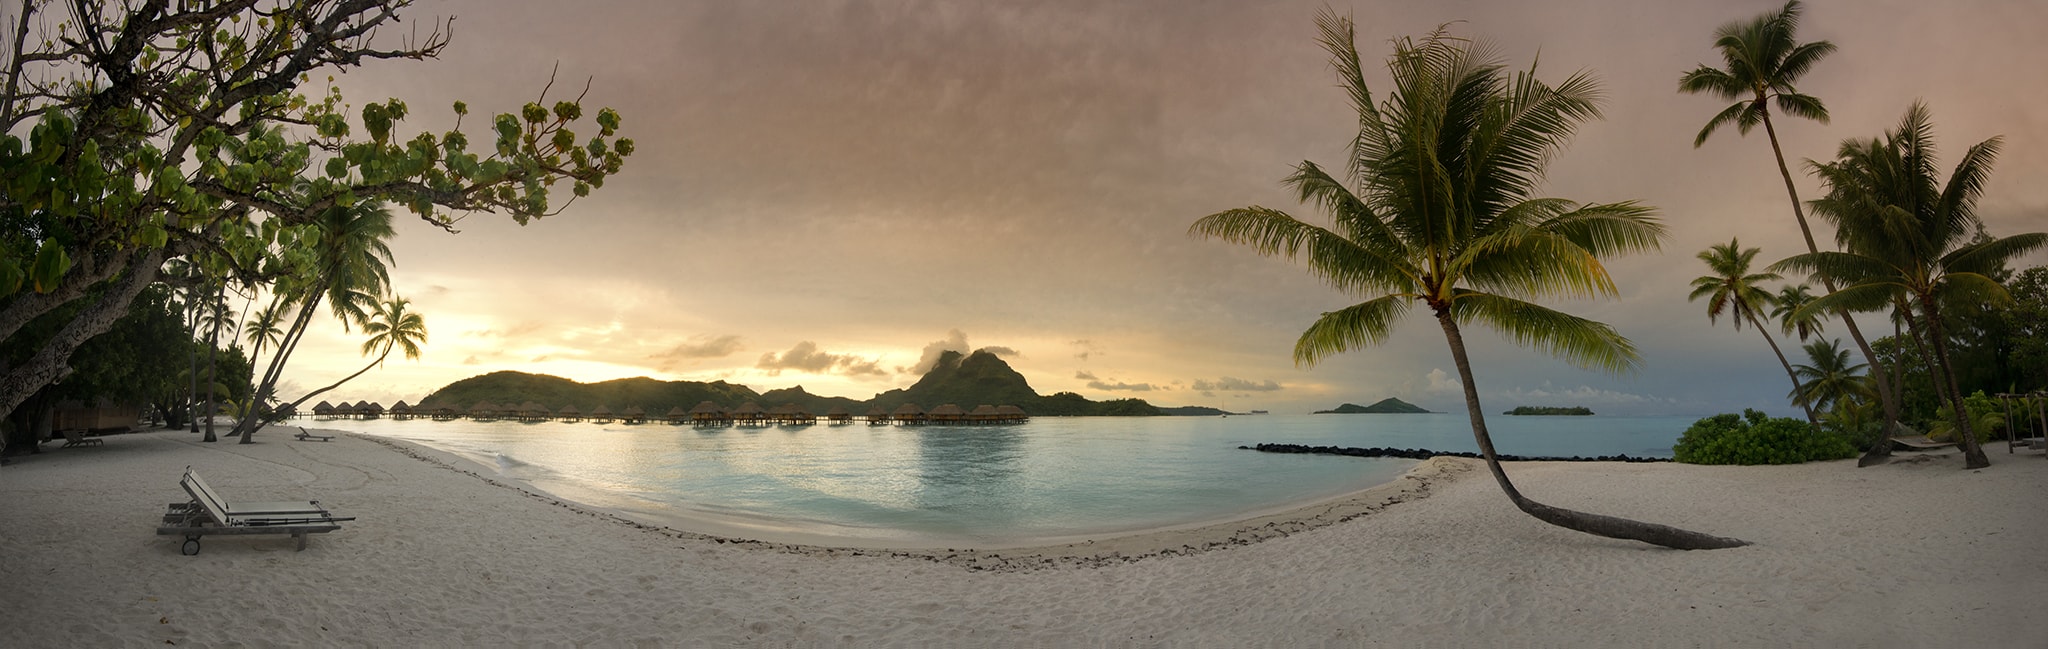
323,410
633,415
877,416
400,411
445,412
1011,414
483,411
569,413
983,414
749,414
370,410
908,413
532,411
839,415
707,413
947,414
677,415
789,413
601,415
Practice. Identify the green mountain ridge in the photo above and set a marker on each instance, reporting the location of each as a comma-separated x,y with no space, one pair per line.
1388,405
966,380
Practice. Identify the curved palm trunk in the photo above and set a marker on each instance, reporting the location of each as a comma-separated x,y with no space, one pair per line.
1973,452
1787,364
1595,524
1882,449
260,422
212,380
192,400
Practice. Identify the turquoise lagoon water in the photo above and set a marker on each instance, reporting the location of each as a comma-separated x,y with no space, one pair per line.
1049,480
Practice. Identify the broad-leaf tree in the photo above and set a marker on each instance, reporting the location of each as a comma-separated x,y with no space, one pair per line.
1439,210
1907,233
136,132
1734,291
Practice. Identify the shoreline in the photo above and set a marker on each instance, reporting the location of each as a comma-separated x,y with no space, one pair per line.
1174,540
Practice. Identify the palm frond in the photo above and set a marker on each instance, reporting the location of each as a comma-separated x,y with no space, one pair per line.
1365,324
1582,342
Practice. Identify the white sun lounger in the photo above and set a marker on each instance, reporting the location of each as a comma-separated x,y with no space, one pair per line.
208,513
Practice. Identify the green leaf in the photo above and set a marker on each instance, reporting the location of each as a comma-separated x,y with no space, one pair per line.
50,265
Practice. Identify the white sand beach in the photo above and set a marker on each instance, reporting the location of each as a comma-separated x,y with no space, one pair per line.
1917,553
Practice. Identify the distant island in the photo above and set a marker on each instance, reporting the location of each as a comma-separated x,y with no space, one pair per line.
1385,406
964,379
1549,410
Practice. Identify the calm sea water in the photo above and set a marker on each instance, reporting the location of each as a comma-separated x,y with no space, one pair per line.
1052,479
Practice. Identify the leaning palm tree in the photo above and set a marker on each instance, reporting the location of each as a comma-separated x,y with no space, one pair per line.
1907,234
1831,379
1764,60
1735,291
1785,309
1440,212
392,326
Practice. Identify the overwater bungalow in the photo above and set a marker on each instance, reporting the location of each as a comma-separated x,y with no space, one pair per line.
839,415
947,414
1011,414
789,413
876,416
677,415
400,411
707,413
601,415
484,411
749,414
633,415
532,411
323,410
982,414
908,413
569,413
369,410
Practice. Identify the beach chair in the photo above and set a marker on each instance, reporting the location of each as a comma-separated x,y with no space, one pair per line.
209,513
305,435
77,438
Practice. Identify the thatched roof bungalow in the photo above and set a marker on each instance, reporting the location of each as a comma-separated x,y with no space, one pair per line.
601,415
678,415
483,411
1011,414
908,413
707,412
876,415
947,414
569,413
323,410
400,411
633,415
982,414
749,413
839,415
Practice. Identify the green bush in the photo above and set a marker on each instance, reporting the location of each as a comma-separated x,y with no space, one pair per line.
1754,438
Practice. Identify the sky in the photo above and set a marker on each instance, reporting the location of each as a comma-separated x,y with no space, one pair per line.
829,193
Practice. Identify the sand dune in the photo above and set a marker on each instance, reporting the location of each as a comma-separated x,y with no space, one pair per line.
1912,554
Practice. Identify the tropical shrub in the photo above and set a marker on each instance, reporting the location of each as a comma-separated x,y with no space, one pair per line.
1987,416
1755,438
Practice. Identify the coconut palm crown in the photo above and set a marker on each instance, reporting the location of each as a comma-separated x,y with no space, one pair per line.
1439,209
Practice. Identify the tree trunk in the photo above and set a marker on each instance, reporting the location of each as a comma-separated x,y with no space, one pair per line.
1595,524
285,346
192,398
52,362
309,396
1810,419
1973,452
1879,452
212,364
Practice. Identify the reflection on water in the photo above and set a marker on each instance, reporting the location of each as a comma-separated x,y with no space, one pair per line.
1051,477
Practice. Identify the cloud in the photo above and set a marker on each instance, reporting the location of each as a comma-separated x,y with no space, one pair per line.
805,357
1088,348
1122,386
472,360
1234,384
543,358
956,341
702,346
1440,381
1085,375
513,331
1003,352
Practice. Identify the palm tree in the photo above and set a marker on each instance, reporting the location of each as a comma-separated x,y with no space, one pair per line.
1831,379
1442,214
1906,234
392,326
1732,289
348,270
1785,309
262,329
1764,60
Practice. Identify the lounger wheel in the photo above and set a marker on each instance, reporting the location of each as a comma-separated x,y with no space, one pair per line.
191,546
